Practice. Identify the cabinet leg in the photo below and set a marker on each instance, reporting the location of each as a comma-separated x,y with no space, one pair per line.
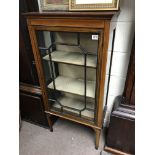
97,138
50,122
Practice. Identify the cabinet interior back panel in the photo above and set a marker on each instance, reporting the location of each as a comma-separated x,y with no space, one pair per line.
76,72
66,37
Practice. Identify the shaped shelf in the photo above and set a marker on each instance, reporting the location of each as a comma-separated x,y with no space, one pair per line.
74,58
74,86
74,103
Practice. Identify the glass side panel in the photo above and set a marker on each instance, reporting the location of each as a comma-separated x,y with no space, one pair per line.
69,61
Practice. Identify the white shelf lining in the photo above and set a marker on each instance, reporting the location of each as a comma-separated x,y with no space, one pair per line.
74,86
74,58
74,103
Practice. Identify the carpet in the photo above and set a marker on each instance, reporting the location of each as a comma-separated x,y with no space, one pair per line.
67,138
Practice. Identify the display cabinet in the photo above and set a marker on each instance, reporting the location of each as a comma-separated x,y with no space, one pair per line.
70,51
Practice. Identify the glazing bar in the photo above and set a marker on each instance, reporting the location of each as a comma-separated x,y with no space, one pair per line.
85,78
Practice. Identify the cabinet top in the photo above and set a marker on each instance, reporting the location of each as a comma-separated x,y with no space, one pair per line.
103,15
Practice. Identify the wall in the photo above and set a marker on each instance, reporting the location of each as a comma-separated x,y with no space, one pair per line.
124,24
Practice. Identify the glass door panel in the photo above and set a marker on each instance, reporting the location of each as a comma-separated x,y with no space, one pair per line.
69,61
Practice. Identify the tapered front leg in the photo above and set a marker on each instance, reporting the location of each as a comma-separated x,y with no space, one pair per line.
97,138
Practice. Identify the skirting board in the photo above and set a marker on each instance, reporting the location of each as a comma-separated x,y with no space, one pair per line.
114,151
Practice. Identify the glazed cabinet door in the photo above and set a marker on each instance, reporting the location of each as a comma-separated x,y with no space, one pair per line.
68,62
